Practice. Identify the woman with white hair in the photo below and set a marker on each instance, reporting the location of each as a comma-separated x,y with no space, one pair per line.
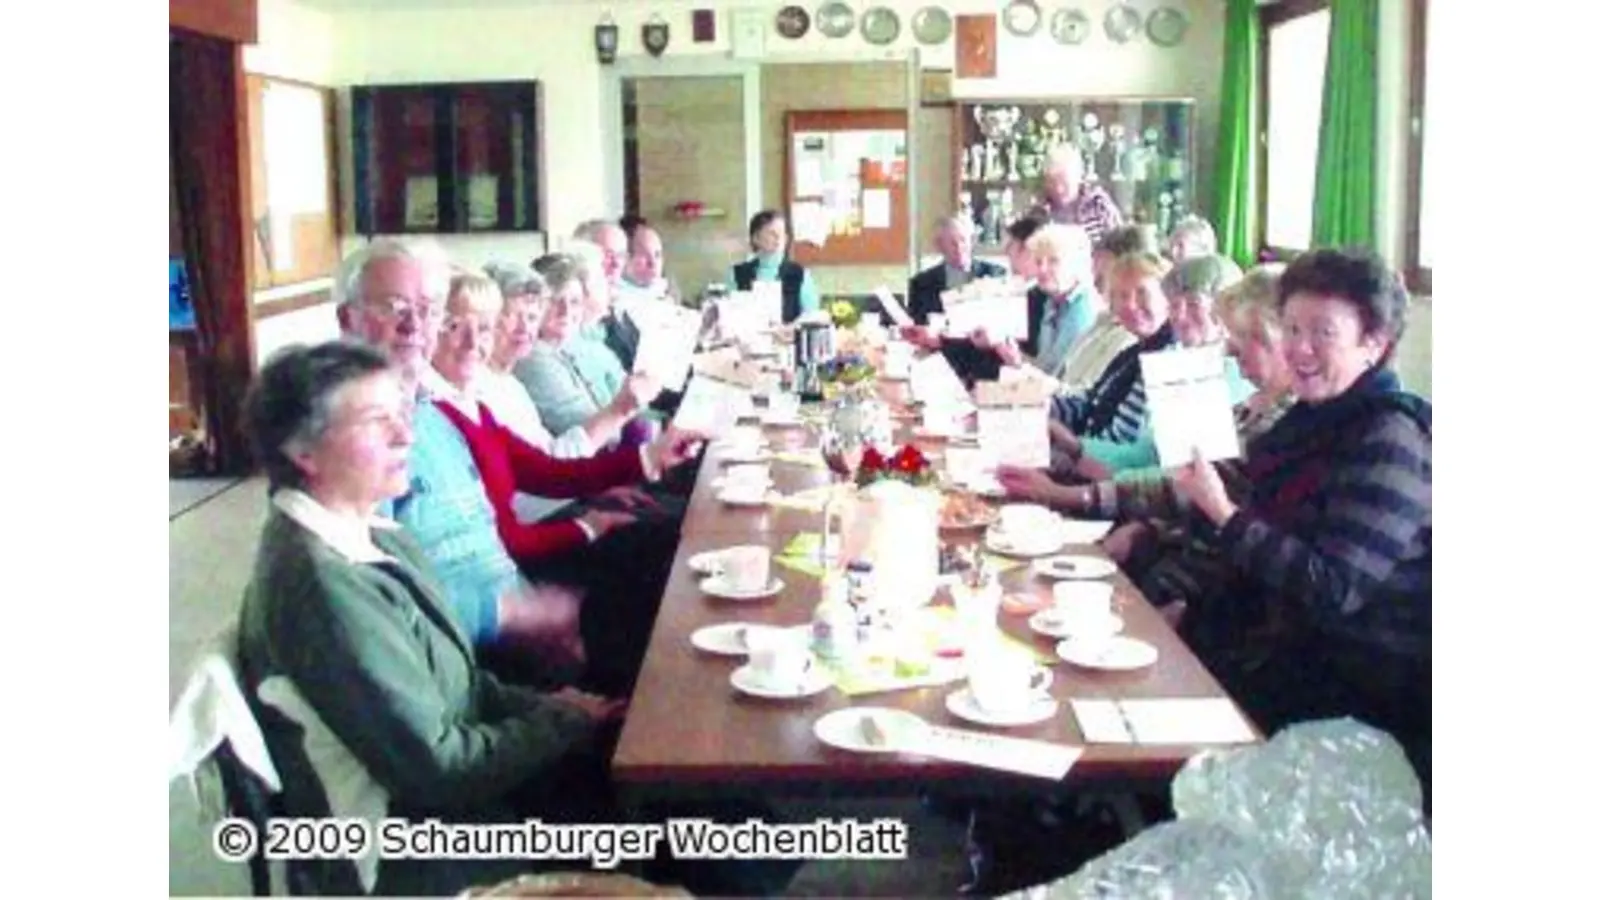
1191,237
1062,307
573,380
1070,200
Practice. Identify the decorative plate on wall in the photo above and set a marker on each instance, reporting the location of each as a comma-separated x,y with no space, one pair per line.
836,20
1122,23
1023,17
931,25
880,25
793,21
1070,26
1167,26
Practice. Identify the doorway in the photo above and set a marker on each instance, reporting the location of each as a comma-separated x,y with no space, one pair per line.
686,160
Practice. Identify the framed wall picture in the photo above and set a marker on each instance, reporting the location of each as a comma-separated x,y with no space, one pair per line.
936,87
975,46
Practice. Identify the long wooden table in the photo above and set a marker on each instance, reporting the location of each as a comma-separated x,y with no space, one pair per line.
689,730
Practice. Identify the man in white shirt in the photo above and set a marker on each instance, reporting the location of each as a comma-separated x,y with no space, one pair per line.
642,276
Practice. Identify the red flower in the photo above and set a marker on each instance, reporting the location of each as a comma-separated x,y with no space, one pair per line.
873,461
909,460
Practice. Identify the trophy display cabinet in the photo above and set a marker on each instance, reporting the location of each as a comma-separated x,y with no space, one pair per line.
1139,150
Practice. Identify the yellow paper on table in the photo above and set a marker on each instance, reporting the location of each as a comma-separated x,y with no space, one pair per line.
936,630
802,554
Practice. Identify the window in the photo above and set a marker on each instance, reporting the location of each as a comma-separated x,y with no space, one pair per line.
1419,265
1295,57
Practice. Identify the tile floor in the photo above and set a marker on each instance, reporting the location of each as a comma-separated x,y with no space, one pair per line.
212,546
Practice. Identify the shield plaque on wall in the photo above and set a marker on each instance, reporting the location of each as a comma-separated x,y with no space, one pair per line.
655,36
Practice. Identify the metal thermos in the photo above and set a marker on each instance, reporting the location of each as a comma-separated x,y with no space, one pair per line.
813,347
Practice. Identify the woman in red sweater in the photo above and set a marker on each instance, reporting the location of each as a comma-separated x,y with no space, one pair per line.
509,464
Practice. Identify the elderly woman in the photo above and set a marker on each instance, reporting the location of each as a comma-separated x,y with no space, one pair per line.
1070,200
1113,410
366,687
769,244
575,381
1331,531
1166,552
508,463
1192,288
1062,307
1191,237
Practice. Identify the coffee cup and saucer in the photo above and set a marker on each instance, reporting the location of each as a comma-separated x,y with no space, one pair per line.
781,666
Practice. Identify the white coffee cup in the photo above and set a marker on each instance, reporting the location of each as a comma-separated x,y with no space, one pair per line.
779,657
1026,521
1083,601
746,568
936,322
1006,682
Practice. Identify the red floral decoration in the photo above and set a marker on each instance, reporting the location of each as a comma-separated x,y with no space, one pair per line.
906,464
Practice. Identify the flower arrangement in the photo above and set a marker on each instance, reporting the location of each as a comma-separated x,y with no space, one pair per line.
907,465
847,369
844,313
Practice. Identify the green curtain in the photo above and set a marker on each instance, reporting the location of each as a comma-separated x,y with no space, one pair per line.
1234,205
1344,212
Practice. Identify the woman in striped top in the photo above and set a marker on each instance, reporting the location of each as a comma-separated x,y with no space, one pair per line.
1330,535
1113,411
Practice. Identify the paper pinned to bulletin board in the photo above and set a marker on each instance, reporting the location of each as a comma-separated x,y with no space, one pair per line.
846,187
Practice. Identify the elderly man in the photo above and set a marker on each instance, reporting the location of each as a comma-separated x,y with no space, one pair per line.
643,280
612,326
953,237
1069,200
391,296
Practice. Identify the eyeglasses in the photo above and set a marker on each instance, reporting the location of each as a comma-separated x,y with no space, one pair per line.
396,308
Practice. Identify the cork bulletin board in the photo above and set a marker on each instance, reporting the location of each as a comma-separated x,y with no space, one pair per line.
846,187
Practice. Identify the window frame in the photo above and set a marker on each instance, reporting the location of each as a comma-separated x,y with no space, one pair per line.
1419,278
1271,16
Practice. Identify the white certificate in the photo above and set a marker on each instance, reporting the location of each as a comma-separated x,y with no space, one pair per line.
668,336
891,307
1002,316
711,407
934,383
1190,404
1015,435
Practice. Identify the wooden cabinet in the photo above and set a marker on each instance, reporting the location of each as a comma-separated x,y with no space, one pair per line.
1141,151
446,158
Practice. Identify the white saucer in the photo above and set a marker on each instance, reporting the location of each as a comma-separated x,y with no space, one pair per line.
999,543
716,587
816,681
727,639
961,704
1074,567
1064,627
1085,531
842,729
706,562
1115,654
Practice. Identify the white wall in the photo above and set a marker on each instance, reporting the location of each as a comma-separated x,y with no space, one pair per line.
554,43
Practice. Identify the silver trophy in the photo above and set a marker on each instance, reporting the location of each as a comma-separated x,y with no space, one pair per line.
998,124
